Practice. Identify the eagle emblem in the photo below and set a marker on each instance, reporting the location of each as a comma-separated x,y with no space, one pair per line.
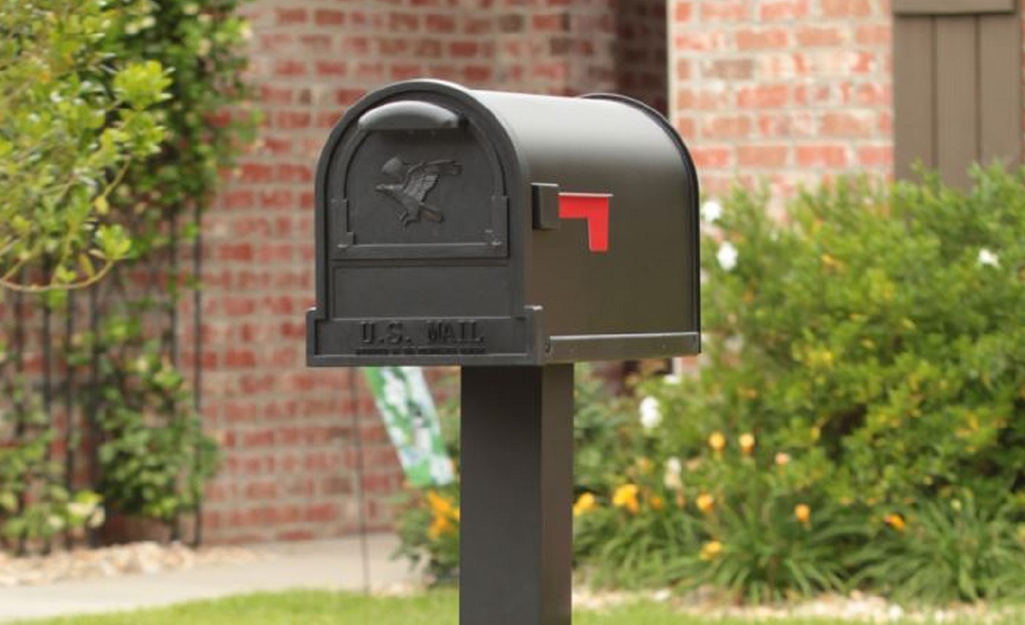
414,183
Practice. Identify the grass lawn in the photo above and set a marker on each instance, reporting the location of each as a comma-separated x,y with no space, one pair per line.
317,608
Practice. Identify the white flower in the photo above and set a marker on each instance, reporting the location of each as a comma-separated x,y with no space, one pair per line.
671,378
727,256
988,258
711,211
672,476
651,413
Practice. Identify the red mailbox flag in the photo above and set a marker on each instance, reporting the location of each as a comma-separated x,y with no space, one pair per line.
594,207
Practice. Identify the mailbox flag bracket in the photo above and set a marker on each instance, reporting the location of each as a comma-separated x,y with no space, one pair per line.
594,207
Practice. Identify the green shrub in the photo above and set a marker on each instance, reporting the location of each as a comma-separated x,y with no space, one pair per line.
116,119
859,415
75,116
871,341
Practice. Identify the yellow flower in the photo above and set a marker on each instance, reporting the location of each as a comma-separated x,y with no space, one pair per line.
747,443
803,513
439,527
626,497
440,506
705,502
711,550
585,503
717,441
656,503
782,459
895,521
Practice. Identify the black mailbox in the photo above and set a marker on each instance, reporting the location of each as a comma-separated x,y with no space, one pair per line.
463,227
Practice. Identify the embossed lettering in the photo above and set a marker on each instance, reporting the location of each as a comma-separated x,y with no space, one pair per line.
369,331
395,334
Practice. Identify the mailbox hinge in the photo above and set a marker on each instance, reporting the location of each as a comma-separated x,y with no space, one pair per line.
339,220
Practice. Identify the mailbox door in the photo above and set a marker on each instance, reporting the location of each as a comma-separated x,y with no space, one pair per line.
420,263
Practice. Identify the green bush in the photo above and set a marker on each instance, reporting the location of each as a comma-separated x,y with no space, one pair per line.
75,115
870,342
116,120
859,416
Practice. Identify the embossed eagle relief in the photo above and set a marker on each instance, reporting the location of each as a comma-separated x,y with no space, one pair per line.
415,182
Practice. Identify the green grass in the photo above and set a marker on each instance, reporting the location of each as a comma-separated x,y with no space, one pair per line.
321,608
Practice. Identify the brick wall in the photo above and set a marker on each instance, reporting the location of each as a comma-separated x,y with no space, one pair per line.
786,91
641,52
287,431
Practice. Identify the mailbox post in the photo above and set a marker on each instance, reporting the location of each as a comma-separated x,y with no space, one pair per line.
511,235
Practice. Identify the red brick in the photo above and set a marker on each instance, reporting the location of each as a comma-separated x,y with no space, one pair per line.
291,16
726,127
876,156
846,8
261,490
812,36
463,49
255,173
238,198
291,120
294,173
774,156
686,126
478,75
329,17
333,69
832,156
683,11
440,23
554,22
768,96
762,38
478,25
848,124
239,358
290,68
783,10
712,157
403,22
270,94
355,46
725,10
683,69
874,35
321,513
729,69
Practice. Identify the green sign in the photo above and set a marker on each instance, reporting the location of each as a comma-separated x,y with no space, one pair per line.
405,404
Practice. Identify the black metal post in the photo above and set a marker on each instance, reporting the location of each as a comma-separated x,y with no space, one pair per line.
517,496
